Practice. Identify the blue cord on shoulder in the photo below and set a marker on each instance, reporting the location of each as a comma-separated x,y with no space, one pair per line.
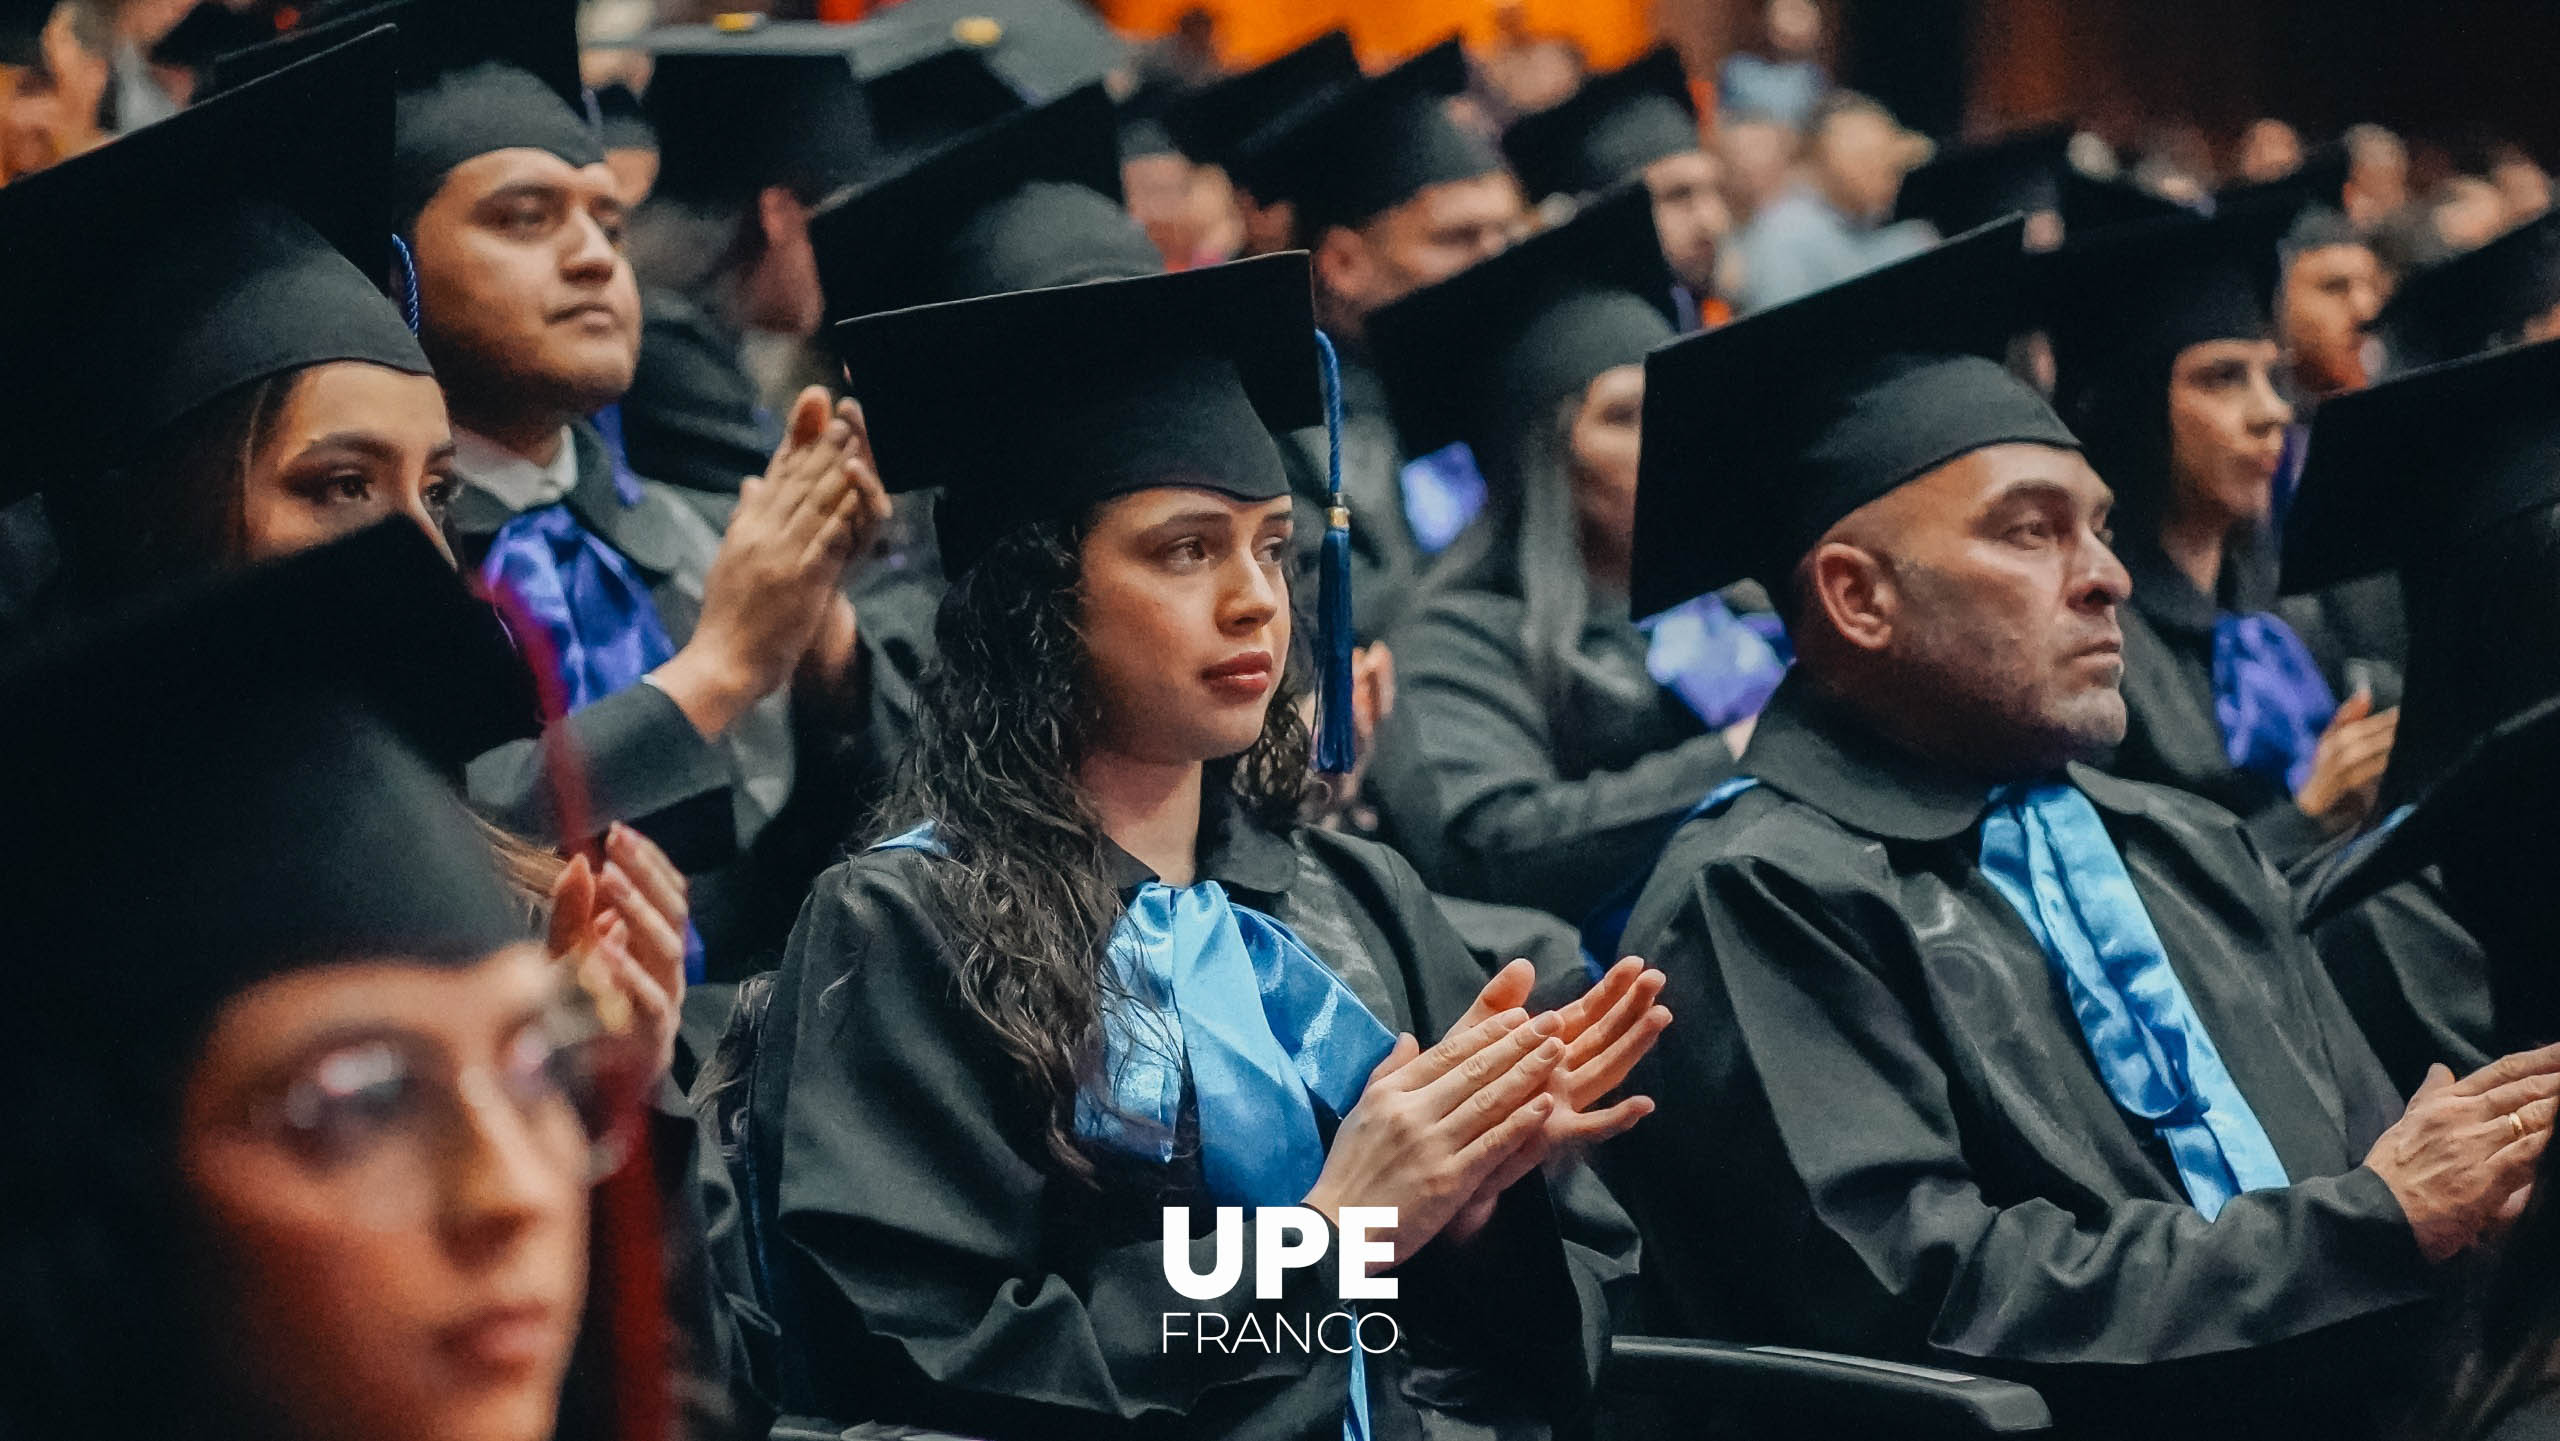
405,282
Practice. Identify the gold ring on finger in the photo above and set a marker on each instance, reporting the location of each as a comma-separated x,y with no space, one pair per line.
2516,1122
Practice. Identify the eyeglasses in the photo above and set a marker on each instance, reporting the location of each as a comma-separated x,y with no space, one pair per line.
382,1119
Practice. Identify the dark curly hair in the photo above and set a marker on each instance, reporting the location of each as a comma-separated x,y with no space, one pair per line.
1005,716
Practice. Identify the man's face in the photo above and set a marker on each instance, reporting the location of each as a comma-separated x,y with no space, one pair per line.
1993,611
528,299
1689,215
2330,295
1860,158
1442,230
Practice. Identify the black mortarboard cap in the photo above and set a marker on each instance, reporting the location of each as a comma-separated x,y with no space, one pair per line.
2487,826
2450,477
2120,304
475,76
1029,202
2090,204
2472,301
928,103
1762,435
1043,403
1349,154
621,121
1608,131
240,778
1967,186
1498,345
240,239
2402,472
1041,48
1217,124
736,112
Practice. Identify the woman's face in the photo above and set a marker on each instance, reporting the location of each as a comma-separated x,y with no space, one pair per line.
1604,440
2226,429
353,444
1184,610
392,1180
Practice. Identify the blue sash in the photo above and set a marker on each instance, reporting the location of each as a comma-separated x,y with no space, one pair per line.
1442,491
2046,851
1722,666
1264,1030
2268,697
595,610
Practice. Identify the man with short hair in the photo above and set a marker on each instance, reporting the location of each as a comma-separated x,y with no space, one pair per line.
1391,196
1830,224
2331,291
1986,1058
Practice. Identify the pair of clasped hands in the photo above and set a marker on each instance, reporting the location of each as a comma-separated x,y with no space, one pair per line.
1441,1133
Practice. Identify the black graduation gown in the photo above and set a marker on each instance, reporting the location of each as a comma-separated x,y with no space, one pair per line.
930,1268
2172,736
693,417
2413,978
753,815
1881,1132
1498,796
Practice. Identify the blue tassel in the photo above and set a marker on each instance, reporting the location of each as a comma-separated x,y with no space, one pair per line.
1337,738
404,283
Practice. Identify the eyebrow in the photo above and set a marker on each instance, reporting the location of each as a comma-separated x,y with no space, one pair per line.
359,440
549,190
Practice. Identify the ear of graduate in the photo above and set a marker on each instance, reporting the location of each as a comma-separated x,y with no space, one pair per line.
663,686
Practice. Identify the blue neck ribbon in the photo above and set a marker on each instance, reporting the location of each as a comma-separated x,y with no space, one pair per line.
1443,492
596,611
1722,666
2268,697
2045,849
1264,1030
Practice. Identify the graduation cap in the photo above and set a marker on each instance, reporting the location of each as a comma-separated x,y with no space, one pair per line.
1218,124
1029,202
1497,346
1972,185
241,778
2449,477
2487,826
2402,472
1608,131
237,240
475,76
2120,304
1349,154
2472,301
1042,403
736,111
1142,131
2090,204
927,103
1760,436
621,121
1041,48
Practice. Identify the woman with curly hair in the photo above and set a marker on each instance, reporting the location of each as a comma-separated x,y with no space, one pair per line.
1102,971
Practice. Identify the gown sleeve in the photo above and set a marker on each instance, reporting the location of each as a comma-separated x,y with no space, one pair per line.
1473,766
1810,1150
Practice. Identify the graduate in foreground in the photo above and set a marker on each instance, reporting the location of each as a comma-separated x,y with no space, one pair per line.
1108,973
1987,1058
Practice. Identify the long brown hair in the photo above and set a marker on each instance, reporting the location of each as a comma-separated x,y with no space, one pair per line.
1006,717
174,509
